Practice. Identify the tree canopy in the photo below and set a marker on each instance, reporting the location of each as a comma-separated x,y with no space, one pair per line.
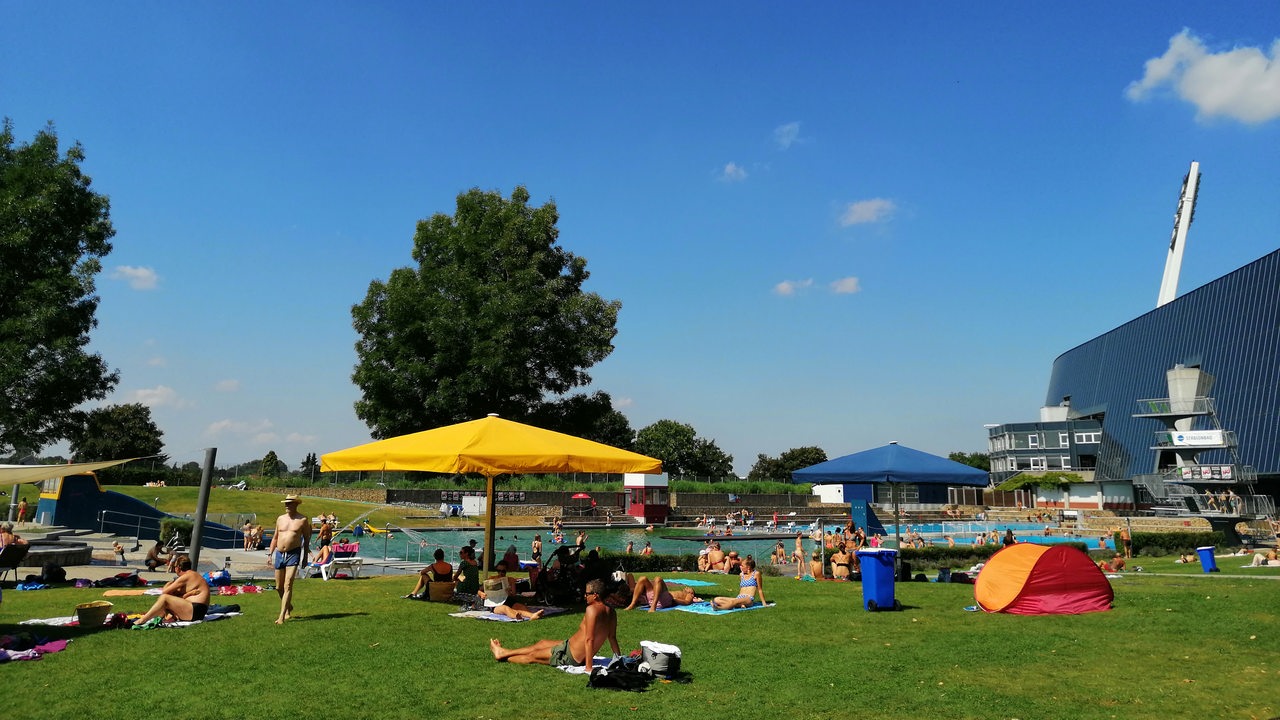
780,468
682,452
116,432
492,319
982,461
53,232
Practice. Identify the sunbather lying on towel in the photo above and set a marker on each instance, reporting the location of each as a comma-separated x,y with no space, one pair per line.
1268,559
657,595
503,601
599,623
750,589
186,597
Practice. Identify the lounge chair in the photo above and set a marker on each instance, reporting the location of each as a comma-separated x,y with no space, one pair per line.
323,567
11,557
346,556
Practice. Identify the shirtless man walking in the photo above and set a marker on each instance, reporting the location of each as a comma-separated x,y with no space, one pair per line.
599,623
290,545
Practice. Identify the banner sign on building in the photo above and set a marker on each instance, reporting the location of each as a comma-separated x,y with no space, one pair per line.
1205,472
1198,438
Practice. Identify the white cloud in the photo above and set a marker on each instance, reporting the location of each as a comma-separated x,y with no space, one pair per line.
265,438
787,288
733,172
1242,83
139,278
846,286
787,135
867,211
238,427
158,396
300,439
158,361
227,386
623,402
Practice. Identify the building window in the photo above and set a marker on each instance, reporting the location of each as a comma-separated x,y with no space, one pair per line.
1089,438
1066,462
1038,463
1064,439
1033,440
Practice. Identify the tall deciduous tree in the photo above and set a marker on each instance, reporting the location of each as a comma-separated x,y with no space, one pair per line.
780,468
116,432
681,451
982,461
272,466
588,416
493,319
53,230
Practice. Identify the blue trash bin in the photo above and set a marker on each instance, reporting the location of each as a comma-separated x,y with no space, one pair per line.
877,578
1207,560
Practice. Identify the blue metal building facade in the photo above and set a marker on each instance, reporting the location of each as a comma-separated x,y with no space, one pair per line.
1229,328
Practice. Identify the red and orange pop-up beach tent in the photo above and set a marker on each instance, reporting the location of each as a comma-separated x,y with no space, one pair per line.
1030,579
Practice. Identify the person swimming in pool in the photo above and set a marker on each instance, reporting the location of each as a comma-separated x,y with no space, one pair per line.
750,589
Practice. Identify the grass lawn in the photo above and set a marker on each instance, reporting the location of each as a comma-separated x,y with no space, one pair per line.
1175,646
181,500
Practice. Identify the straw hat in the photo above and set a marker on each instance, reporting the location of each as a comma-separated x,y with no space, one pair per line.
291,499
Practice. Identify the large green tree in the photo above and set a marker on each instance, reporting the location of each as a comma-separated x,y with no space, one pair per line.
982,461
116,432
272,466
53,232
588,416
491,319
682,452
780,468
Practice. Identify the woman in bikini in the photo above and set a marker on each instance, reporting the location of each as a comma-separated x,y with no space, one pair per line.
438,571
750,589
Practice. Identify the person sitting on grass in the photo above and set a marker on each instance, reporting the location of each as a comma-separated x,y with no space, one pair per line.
599,624
733,563
468,573
438,571
186,597
815,567
840,563
715,558
657,595
750,589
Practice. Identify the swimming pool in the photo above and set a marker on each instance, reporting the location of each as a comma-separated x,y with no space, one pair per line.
419,545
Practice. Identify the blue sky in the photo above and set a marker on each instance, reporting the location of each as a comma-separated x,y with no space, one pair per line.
832,224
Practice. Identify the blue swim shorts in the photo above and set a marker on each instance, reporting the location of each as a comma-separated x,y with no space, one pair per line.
286,558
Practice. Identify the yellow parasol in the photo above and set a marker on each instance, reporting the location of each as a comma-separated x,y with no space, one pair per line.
490,446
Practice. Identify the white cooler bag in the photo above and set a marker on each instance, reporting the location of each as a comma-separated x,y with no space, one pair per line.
661,658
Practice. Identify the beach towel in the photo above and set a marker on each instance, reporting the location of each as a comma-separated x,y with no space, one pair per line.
25,647
598,661
72,620
690,583
489,615
706,608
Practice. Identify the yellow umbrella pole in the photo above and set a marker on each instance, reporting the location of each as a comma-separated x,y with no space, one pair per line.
491,519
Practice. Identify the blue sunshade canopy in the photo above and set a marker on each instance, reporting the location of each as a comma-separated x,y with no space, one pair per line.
892,463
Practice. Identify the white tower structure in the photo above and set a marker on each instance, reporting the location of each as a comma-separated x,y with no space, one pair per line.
1181,223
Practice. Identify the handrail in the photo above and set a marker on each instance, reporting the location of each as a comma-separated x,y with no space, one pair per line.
116,522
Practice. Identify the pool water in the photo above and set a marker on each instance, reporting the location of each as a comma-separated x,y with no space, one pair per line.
418,546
